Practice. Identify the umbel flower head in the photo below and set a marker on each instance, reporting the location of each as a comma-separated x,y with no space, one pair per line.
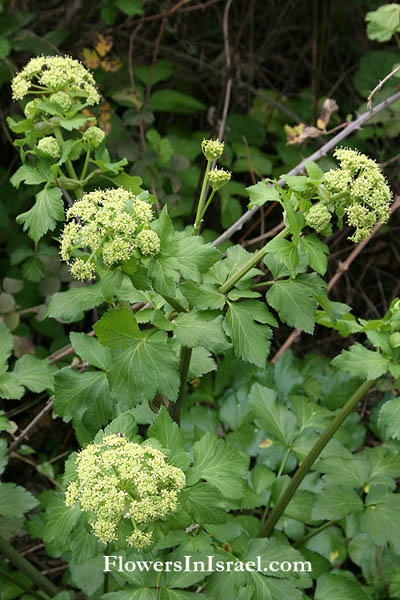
111,224
212,149
366,195
318,217
118,479
218,178
53,74
49,146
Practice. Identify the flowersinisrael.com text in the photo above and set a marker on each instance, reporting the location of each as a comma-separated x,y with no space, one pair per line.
209,564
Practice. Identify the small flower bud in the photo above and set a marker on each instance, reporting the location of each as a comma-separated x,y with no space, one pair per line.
62,100
318,217
49,146
148,242
394,339
31,110
212,149
218,178
93,136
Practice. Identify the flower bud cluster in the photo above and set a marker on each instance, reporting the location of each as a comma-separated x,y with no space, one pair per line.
93,136
111,224
53,74
318,217
117,480
368,195
212,149
49,146
218,178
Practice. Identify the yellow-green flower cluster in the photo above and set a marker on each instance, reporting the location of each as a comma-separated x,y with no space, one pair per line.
366,195
51,74
212,149
218,178
111,224
118,479
49,146
93,136
318,217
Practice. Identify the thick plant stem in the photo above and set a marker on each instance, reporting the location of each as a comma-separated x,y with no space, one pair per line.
26,567
314,532
175,407
267,528
257,256
70,167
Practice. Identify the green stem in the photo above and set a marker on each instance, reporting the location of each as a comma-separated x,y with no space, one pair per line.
267,528
203,212
257,256
284,461
201,199
339,196
26,567
18,583
175,304
70,167
314,532
175,407
85,165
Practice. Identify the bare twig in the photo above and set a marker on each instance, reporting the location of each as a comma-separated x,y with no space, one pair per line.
380,85
353,126
20,439
343,267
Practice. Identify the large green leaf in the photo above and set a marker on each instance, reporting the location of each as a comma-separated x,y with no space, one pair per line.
273,417
251,340
167,432
332,586
361,362
90,350
6,343
70,305
15,501
381,521
175,102
117,329
294,302
336,502
204,503
316,252
202,296
389,418
192,329
44,214
220,464
35,374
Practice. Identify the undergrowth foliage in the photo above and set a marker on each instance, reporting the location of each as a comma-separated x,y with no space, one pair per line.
192,442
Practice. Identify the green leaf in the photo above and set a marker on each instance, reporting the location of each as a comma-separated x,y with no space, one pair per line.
195,257
43,216
191,329
202,296
6,343
389,418
251,341
91,350
27,174
146,366
167,432
130,7
128,182
220,464
174,102
111,283
332,586
294,302
286,252
131,593
381,522
70,305
10,388
84,545
204,503
316,253
298,183
15,501
383,23
88,576
83,397
117,329
336,502
261,192
361,362
35,374
201,363
273,417
314,171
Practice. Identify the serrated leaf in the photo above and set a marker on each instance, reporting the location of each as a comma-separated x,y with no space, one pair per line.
15,501
201,363
361,362
204,503
90,350
34,373
191,329
332,586
261,192
195,257
27,174
383,23
381,522
202,296
286,252
336,502
274,418
175,102
43,216
10,388
294,302
6,343
316,253
389,418
220,464
70,305
251,340
167,432
117,329
314,171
